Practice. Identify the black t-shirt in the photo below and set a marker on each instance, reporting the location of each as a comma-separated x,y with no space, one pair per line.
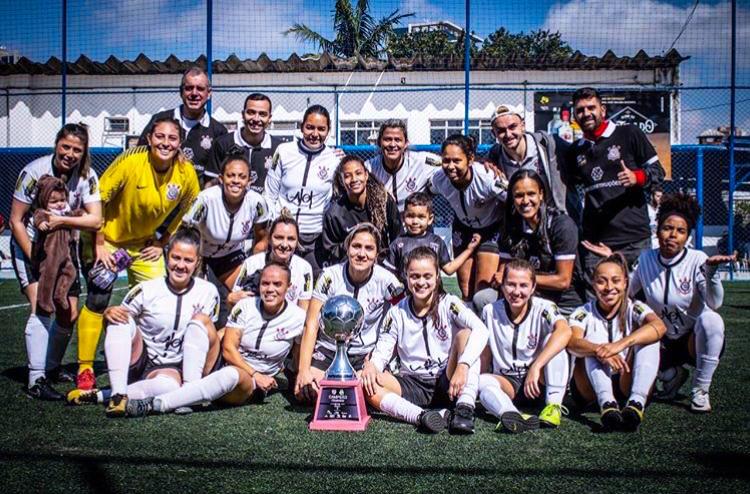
543,251
613,214
260,157
198,139
404,244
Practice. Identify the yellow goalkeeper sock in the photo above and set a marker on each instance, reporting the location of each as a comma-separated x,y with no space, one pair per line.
89,328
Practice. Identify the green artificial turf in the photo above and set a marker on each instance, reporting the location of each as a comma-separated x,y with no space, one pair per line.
49,447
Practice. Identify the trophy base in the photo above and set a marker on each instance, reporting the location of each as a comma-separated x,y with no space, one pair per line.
340,407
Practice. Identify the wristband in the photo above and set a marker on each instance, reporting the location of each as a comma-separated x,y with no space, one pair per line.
640,177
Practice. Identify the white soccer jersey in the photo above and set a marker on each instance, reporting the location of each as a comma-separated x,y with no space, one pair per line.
161,315
266,341
598,329
515,346
302,183
80,191
414,175
422,348
677,289
300,287
380,290
480,204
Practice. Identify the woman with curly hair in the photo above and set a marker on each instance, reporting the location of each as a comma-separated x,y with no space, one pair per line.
361,198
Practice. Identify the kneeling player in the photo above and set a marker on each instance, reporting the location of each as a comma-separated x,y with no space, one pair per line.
618,339
528,336
438,341
258,337
145,335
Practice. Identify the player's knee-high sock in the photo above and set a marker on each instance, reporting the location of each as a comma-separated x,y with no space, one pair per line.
645,368
210,388
601,380
90,325
468,395
493,398
37,338
58,343
396,406
117,347
152,387
195,350
556,378
709,340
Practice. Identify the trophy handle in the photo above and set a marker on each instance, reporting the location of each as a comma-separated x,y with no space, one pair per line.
340,369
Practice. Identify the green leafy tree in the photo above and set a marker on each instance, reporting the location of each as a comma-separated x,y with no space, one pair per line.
536,44
357,32
433,44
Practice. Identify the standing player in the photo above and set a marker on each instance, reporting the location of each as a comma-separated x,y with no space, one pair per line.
200,128
653,211
438,341
71,162
682,285
257,145
615,164
300,180
139,190
400,170
618,341
374,287
477,198
528,336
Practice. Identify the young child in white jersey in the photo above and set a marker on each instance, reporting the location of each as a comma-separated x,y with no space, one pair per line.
683,287
438,341
617,342
528,336
259,335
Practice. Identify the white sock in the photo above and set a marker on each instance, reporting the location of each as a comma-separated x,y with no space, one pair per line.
468,395
493,398
117,348
58,343
395,406
210,388
556,378
194,351
645,368
709,340
37,338
601,380
152,387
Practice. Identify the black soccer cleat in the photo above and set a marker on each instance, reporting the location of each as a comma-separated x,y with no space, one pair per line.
515,423
433,421
139,408
632,416
59,375
611,417
42,390
462,420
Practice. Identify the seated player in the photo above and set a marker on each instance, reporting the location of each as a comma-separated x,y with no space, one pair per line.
438,341
159,322
258,337
528,336
374,287
618,340
418,218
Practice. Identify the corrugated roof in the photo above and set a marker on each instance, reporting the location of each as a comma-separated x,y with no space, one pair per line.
329,63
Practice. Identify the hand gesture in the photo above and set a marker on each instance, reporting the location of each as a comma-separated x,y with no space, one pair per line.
475,240
117,314
598,248
626,176
721,259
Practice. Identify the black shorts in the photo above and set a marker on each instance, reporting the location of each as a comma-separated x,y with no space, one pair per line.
142,367
462,237
322,358
676,352
517,380
224,264
425,392
27,275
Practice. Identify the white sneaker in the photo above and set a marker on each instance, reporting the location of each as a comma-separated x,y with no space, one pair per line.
700,402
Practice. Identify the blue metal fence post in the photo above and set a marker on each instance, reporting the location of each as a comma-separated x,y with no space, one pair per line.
209,46
732,103
467,66
336,112
699,196
64,81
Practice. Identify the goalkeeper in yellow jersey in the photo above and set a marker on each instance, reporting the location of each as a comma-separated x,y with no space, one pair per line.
144,187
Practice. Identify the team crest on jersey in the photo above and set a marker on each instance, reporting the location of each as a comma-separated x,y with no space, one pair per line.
532,341
456,237
373,304
322,172
246,227
188,152
291,292
480,202
613,153
173,191
281,334
411,184
268,162
534,261
253,177
684,286
132,294
206,142
441,333
581,160
597,173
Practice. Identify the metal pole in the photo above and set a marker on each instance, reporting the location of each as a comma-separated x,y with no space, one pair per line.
64,81
732,103
209,45
699,197
467,66
336,102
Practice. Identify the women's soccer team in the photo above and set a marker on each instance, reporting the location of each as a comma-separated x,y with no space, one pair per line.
227,283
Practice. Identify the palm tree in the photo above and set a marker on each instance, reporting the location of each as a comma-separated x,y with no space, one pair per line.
357,33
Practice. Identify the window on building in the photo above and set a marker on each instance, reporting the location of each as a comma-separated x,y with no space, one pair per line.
359,132
116,125
231,126
284,130
440,130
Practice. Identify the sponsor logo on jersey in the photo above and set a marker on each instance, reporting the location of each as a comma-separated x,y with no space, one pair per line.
200,211
454,307
639,308
93,185
19,182
260,210
579,315
613,153
235,313
206,142
132,294
268,162
30,189
547,315
301,198
597,173
387,324
685,286
581,160
173,191
411,184
281,334
188,152
308,281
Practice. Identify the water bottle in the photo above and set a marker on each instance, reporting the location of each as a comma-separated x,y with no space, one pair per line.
102,277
